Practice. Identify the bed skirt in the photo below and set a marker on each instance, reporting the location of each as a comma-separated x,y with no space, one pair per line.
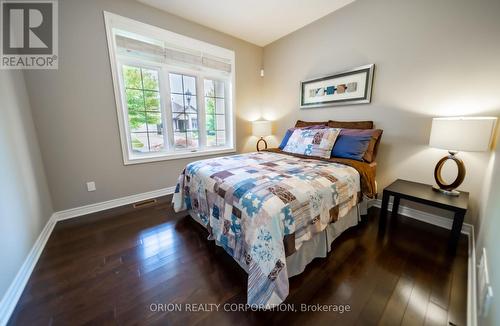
320,245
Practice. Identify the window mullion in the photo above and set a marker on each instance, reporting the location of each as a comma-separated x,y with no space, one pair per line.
167,109
144,109
202,133
228,114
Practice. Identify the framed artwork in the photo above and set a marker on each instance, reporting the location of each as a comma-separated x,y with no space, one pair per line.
348,87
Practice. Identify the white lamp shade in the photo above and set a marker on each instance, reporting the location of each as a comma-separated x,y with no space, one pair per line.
471,134
261,128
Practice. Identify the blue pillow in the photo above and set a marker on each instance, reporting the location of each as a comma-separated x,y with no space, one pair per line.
288,133
351,146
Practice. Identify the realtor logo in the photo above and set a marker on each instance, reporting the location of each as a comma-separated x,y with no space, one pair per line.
29,34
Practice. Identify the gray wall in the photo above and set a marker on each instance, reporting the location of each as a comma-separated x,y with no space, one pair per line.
488,234
75,113
25,204
432,58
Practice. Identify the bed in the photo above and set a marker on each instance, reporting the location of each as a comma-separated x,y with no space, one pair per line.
274,212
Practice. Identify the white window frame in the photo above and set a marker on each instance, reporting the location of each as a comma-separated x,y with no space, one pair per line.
115,21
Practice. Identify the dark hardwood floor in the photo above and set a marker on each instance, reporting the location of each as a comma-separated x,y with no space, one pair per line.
114,267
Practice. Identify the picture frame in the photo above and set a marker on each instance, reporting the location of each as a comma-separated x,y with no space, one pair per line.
343,88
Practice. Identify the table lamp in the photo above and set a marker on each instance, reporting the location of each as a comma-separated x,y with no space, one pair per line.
261,129
472,134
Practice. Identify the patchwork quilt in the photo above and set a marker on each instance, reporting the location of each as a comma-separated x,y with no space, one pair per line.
261,207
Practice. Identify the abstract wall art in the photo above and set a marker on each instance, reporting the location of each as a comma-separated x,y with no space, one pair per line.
348,87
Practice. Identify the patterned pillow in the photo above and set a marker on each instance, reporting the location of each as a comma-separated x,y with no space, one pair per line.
290,131
312,142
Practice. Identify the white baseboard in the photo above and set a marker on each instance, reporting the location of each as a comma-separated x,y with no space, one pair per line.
102,206
471,282
11,297
467,229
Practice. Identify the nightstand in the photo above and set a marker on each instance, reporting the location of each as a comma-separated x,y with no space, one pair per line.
424,194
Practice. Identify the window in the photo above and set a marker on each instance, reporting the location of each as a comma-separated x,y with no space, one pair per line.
215,110
184,110
142,93
173,93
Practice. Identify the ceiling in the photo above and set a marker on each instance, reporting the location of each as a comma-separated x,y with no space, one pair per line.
256,21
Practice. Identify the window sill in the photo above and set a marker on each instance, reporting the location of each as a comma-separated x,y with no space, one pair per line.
176,156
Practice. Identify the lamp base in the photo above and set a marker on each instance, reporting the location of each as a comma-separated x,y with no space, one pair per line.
259,141
443,187
454,193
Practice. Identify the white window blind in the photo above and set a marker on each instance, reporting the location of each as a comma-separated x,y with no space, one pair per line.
170,54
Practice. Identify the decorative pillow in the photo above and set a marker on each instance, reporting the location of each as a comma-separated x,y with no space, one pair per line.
312,142
352,146
290,131
351,124
301,124
375,134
